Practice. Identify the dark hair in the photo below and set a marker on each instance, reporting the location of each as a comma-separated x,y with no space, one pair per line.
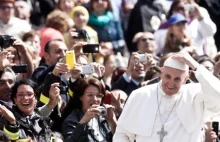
109,8
117,73
28,82
151,72
203,58
47,45
173,6
30,34
82,85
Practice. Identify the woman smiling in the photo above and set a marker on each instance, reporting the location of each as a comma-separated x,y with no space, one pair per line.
25,121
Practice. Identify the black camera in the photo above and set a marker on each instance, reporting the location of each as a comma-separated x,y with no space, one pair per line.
91,48
82,34
6,41
63,89
21,68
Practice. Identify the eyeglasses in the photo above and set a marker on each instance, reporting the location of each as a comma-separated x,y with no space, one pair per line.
145,39
6,7
92,95
28,96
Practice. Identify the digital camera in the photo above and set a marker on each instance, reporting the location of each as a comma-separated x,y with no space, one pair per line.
103,110
6,41
82,34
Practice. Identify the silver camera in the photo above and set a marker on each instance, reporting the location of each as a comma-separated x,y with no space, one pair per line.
103,110
143,58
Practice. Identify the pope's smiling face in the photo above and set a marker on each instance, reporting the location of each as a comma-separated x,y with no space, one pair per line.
172,79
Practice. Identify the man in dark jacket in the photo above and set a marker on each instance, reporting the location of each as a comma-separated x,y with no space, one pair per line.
145,16
7,80
133,77
54,51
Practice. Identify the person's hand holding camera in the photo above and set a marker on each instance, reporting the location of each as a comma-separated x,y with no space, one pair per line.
76,71
19,45
111,118
6,60
99,69
54,95
195,12
92,112
60,68
131,64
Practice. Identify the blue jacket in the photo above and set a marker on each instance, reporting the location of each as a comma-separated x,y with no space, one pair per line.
111,32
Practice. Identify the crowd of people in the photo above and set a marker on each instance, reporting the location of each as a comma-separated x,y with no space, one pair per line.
142,70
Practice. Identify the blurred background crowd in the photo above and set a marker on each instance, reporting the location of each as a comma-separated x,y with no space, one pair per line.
119,46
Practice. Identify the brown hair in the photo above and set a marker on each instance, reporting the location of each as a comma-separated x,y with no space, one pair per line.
58,20
31,34
173,6
109,8
58,4
173,46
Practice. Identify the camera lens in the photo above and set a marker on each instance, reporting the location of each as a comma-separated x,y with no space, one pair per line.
6,41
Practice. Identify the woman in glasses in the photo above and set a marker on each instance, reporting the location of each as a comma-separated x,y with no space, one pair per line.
87,120
25,121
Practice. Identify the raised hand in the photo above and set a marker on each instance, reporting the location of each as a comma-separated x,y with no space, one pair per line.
6,60
8,114
54,95
92,112
60,68
187,59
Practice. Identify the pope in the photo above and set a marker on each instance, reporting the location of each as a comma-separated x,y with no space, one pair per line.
171,110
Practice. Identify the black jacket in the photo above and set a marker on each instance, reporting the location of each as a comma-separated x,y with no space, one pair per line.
127,87
41,72
35,126
73,131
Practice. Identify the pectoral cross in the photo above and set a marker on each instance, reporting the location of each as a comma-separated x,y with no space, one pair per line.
162,133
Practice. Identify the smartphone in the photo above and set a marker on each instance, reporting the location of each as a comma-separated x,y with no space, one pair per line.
21,68
70,59
215,126
88,69
91,48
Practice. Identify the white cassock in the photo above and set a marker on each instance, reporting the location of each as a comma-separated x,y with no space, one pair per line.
140,119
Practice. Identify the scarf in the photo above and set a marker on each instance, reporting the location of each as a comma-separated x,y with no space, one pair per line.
100,20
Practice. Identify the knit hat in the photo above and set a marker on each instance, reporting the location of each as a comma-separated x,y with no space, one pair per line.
47,34
79,9
176,64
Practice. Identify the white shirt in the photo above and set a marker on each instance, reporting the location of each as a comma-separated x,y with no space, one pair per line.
140,120
15,27
198,32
